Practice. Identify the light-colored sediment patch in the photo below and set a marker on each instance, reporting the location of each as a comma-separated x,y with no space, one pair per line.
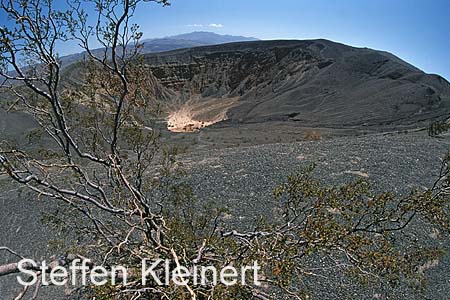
435,234
428,265
182,120
199,113
358,173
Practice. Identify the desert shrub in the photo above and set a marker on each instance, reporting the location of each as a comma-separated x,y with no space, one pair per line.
437,128
312,135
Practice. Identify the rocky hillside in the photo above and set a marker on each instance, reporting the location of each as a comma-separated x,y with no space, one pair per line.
295,84
316,83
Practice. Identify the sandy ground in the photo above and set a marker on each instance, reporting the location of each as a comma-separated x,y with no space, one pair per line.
194,115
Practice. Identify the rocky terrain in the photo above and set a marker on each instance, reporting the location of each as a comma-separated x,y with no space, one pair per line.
249,114
319,84
310,84
243,179
316,83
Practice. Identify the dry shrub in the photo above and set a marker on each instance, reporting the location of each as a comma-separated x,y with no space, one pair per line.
312,135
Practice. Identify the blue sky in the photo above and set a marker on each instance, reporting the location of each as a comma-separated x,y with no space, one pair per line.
418,31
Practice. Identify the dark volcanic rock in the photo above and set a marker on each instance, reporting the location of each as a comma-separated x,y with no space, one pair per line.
242,180
315,83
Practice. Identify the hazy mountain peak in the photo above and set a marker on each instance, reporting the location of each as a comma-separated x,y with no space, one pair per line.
186,40
211,37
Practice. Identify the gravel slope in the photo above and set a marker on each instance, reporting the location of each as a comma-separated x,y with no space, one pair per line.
243,178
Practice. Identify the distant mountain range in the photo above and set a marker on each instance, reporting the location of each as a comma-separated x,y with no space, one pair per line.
187,40
206,38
